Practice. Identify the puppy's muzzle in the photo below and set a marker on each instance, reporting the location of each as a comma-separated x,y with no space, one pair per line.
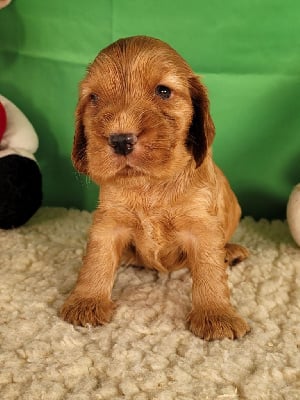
122,143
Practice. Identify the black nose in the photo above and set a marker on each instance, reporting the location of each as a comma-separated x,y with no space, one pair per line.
122,143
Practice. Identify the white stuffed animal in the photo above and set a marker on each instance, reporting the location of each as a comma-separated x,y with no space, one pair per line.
293,213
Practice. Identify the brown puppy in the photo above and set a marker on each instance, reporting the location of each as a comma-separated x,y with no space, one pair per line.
144,133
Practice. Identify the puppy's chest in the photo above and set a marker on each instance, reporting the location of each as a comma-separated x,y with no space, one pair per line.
155,241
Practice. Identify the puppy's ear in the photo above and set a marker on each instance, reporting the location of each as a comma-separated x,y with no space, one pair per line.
202,129
79,156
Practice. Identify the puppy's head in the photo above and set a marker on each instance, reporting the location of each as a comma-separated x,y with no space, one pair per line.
141,111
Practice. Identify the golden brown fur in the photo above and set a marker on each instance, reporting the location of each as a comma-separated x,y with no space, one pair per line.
165,205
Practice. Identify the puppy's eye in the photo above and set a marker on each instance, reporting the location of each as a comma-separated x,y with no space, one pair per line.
94,98
163,91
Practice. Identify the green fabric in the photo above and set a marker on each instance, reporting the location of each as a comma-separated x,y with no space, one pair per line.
248,53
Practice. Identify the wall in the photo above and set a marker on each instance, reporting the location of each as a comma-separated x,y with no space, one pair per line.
247,53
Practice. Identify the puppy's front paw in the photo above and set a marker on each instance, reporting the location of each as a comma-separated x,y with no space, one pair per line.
83,311
217,325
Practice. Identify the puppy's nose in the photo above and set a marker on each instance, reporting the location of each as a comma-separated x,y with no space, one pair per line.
122,143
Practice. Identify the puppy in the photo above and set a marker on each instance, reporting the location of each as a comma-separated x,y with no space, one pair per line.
144,133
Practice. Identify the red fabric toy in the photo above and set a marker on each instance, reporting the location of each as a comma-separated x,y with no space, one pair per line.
3,121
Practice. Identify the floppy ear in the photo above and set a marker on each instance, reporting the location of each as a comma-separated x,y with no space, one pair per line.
202,129
79,157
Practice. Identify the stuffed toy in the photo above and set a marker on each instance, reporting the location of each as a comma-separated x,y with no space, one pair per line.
293,213
4,3
20,176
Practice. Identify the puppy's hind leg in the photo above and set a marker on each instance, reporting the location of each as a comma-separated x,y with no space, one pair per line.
235,254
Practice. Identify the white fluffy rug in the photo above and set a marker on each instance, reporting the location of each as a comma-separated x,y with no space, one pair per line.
146,352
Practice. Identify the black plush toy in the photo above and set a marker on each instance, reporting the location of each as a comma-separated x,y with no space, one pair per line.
20,176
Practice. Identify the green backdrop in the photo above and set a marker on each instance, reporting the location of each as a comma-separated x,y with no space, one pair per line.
247,51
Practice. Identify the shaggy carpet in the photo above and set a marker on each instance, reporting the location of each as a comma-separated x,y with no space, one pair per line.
146,352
